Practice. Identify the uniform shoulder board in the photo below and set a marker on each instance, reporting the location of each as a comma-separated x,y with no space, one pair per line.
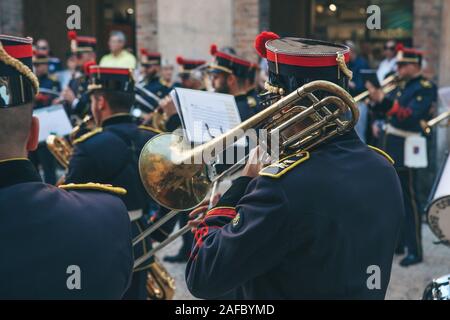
279,168
94,186
88,135
426,83
251,101
383,153
148,128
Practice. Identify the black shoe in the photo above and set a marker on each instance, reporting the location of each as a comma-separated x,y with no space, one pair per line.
410,260
180,257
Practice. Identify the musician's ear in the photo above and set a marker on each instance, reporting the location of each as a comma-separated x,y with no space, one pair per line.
33,138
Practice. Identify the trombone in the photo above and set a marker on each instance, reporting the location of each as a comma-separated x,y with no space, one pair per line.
301,120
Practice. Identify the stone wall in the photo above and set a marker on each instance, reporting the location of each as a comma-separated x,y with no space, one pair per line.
147,24
427,32
11,19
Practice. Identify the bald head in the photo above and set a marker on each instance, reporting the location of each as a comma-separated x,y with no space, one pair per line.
18,131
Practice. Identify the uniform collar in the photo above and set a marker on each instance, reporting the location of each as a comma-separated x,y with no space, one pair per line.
117,118
164,83
15,171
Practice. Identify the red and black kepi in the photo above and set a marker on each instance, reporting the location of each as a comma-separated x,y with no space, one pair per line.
408,55
110,79
229,63
80,44
40,57
18,84
189,65
295,61
150,58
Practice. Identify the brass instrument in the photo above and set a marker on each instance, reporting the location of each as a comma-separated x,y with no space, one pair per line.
301,120
87,124
160,285
159,119
387,85
62,149
428,125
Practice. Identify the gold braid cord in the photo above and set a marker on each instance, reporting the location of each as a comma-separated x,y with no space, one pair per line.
19,66
273,89
343,67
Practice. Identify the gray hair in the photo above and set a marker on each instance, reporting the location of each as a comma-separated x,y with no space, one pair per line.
120,35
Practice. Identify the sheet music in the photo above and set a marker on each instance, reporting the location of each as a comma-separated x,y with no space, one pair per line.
206,115
52,120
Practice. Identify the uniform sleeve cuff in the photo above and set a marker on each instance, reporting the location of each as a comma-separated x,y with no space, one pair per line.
234,193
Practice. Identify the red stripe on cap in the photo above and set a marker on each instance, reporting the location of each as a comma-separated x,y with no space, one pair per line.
233,59
95,69
86,39
305,61
20,51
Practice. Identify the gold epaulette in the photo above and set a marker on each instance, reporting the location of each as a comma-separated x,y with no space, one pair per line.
279,168
94,186
148,128
426,83
53,77
88,135
383,153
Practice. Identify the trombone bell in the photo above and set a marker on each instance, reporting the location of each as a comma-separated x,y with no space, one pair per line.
177,187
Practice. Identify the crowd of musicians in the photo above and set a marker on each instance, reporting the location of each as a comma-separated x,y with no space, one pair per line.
307,226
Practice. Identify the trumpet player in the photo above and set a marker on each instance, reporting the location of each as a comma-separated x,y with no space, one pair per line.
48,235
309,225
110,153
405,108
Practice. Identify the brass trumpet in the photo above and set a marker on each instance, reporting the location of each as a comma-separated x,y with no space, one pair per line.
428,125
301,119
387,85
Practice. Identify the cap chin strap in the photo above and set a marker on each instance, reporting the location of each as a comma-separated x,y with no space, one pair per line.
342,66
20,67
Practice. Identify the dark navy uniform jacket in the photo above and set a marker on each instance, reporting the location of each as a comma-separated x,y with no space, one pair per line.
110,155
406,107
44,230
310,226
247,104
158,88
79,86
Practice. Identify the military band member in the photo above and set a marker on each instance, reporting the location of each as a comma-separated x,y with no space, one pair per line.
49,90
151,66
75,94
308,226
54,64
191,77
405,108
48,234
110,153
233,75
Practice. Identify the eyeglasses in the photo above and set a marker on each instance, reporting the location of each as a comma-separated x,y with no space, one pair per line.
42,48
389,48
